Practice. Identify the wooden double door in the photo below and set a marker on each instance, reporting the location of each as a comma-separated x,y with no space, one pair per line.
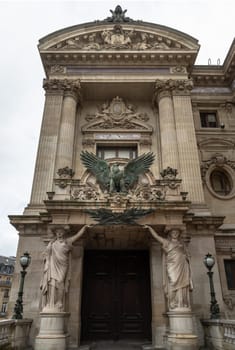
116,302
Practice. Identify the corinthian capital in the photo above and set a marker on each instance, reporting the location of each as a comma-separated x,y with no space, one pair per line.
63,86
53,85
163,88
168,87
72,88
182,87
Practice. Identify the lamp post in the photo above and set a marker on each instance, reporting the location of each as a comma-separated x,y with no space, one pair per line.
18,309
209,262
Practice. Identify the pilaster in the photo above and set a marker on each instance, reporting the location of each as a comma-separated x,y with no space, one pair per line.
186,140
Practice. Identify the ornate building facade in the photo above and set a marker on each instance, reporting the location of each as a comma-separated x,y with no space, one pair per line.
6,273
118,90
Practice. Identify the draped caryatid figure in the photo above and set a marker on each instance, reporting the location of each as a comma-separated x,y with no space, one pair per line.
56,273
177,273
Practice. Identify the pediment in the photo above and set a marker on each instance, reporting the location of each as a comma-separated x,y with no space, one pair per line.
117,36
216,143
117,115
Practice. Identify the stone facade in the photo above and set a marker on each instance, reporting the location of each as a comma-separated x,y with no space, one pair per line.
120,85
6,273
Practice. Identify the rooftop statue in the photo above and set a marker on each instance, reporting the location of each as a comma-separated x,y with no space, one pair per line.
112,178
118,15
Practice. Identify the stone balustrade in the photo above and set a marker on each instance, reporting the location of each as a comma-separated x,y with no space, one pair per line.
219,334
229,331
14,334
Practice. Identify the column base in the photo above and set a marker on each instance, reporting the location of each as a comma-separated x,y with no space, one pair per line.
181,334
52,334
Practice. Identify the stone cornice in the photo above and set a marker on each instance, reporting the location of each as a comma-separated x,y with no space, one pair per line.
114,58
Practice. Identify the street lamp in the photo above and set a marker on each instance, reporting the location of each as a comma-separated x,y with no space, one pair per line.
18,309
209,262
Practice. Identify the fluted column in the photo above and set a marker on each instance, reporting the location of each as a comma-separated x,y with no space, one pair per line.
187,144
65,148
46,156
169,149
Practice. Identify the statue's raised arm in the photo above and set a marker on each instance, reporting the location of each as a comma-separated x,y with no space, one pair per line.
57,268
78,235
156,235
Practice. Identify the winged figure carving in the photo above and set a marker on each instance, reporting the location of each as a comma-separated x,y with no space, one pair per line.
113,179
107,217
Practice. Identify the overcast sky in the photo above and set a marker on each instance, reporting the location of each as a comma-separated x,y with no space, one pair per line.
23,23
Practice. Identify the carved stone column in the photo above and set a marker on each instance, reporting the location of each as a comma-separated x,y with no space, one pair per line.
64,156
186,139
169,149
45,163
158,299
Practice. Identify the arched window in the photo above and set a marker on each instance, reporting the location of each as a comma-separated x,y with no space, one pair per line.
220,182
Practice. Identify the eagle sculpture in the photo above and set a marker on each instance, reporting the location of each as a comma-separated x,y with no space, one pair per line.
113,179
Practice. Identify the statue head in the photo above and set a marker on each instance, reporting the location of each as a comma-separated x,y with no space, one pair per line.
60,233
174,233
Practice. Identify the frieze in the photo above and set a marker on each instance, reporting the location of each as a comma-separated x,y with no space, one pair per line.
118,38
115,115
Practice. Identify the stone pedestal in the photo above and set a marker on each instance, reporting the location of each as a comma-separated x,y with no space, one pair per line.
52,334
181,334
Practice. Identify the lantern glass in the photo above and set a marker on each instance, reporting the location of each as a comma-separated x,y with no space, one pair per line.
25,260
209,261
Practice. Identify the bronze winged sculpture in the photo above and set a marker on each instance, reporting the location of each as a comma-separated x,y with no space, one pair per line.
110,177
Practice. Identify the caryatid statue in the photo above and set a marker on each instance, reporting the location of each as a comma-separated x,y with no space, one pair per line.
56,273
177,273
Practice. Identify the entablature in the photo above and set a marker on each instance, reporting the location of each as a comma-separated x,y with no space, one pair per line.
128,43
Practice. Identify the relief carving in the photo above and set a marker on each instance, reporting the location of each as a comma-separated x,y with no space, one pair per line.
65,175
85,193
219,160
117,114
118,38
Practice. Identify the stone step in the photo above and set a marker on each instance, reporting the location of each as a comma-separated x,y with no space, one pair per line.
118,345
